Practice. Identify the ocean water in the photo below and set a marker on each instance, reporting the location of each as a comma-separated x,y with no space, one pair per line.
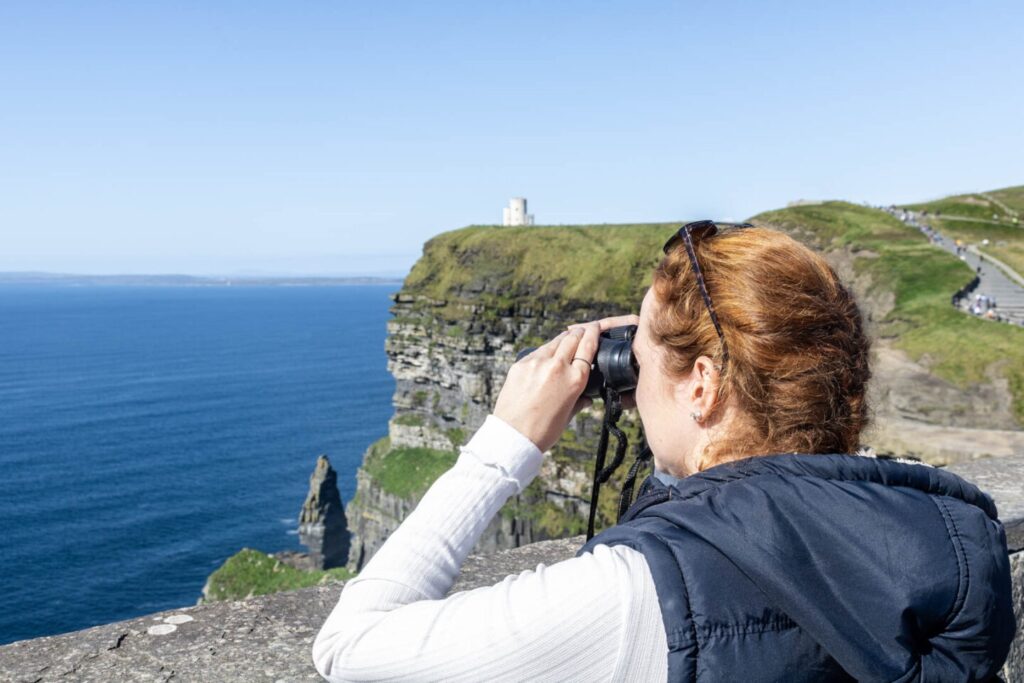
146,434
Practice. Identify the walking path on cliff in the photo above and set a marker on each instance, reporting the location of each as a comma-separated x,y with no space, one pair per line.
999,292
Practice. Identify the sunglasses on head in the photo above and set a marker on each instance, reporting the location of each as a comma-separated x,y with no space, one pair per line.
688,235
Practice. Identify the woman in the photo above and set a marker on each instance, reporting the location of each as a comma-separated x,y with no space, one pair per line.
761,549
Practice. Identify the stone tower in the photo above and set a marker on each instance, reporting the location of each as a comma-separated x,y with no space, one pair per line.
515,213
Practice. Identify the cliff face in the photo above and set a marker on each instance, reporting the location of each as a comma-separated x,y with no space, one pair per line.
475,298
375,513
446,384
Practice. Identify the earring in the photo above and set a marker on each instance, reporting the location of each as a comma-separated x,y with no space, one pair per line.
697,416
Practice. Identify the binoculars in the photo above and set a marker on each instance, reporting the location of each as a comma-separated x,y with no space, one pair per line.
614,365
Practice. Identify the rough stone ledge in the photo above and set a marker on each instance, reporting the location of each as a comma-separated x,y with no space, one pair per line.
264,638
1003,479
269,638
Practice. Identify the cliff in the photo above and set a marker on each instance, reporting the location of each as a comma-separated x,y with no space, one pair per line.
476,297
946,388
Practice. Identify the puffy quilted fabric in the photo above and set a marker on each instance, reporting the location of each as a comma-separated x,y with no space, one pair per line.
824,567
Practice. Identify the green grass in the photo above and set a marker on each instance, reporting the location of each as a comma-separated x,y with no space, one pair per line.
457,435
1013,197
978,205
505,265
959,348
406,472
1012,254
831,225
251,572
547,517
975,232
969,206
409,420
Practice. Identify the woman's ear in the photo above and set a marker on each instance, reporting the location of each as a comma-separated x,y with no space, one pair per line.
703,387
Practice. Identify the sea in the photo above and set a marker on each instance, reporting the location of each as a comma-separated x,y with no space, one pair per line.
148,433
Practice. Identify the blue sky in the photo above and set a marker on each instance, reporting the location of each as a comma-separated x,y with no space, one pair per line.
336,137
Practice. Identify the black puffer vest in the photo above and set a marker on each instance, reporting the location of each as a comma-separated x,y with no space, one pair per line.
824,567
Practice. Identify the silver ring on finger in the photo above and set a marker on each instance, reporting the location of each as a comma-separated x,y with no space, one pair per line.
582,359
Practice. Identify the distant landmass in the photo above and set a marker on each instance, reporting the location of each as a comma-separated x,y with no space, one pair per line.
23,278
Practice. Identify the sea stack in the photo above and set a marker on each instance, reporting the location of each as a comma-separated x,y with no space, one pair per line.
322,525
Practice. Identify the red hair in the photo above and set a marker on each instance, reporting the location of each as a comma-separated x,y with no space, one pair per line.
798,355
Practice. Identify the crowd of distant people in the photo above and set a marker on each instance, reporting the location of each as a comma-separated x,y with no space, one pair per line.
981,305
985,306
911,219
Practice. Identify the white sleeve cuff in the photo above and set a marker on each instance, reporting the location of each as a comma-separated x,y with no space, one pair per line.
497,444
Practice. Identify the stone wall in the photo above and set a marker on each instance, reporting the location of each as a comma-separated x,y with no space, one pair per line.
269,638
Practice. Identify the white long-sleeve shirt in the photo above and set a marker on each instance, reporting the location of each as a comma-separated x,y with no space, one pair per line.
595,617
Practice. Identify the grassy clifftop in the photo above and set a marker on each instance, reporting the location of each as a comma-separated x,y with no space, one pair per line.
406,472
251,572
920,277
606,263
998,205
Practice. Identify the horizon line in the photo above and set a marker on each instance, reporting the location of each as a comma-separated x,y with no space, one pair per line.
11,276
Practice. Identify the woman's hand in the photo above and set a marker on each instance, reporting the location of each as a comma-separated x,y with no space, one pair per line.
542,391
628,399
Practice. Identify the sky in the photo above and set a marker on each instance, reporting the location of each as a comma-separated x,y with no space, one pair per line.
334,138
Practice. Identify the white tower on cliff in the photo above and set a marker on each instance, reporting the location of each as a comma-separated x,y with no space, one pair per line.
515,213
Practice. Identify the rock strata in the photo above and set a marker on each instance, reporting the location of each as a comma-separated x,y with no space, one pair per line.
446,383
322,524
450,344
